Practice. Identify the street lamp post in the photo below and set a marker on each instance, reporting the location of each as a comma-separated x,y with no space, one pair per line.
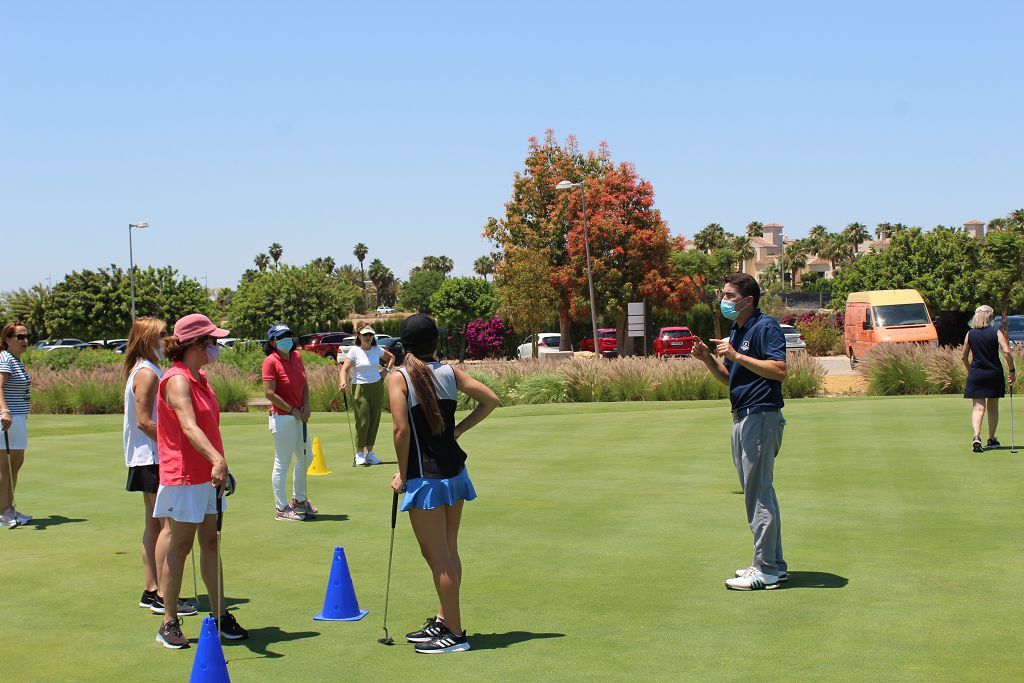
131,261
567,185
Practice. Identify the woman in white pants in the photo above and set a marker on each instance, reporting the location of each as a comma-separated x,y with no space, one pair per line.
284,385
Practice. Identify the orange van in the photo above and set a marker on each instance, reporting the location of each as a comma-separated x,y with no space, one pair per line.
889,316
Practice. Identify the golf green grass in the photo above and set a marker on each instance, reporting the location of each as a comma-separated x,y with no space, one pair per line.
597,549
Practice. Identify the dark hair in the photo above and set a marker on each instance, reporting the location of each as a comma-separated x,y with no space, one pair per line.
426,393
8,330
144,332
746,285
174,350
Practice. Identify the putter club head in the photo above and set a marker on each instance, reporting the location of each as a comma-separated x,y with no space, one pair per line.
386,640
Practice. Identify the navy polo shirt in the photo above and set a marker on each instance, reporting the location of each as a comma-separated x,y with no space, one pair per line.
760,337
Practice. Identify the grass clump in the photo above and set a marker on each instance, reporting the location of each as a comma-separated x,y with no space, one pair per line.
804,376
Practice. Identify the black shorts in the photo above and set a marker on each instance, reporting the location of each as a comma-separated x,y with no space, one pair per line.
144,478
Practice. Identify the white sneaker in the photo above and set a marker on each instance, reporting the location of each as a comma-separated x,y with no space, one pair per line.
753,580
9,518
783,575
360,459
372,459
22,519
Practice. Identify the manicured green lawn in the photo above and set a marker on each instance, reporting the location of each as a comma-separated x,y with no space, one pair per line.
597,550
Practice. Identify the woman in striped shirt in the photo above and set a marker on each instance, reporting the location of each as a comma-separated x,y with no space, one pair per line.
15,402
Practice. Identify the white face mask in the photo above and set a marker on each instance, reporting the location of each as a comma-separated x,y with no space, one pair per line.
212,352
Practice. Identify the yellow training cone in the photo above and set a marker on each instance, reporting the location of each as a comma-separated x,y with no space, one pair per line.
318,467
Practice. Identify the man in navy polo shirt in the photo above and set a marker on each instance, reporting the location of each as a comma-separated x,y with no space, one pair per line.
752,362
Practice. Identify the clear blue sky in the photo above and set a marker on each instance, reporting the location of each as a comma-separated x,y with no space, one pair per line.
231,125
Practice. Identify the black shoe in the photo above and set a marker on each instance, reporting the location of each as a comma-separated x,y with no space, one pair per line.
445,641
977,445
170,636
992,443
430,629
147,598
230,629
185,608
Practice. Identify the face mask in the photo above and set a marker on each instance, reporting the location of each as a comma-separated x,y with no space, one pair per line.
728,309
285,344
212,352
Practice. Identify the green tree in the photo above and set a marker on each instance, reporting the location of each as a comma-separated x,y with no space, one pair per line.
384,282
439,264
1002,257
796,259
96,304
305,298
324,263
856,234
483,266
710,238
276,251
360,251
818,238
744,249
707,273
29,306
416,293
755,229
262,261
461,300
526,297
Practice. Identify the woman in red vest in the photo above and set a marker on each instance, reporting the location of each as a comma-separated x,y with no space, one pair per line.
193,471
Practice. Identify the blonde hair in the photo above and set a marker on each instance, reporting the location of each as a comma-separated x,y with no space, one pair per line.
141,340
982,317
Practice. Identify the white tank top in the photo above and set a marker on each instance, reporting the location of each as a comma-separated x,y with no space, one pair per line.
139,449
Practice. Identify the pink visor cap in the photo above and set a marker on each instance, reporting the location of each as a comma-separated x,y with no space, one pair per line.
197,325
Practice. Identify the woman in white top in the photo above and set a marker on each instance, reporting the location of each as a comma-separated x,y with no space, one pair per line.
368,391
15,403
142,378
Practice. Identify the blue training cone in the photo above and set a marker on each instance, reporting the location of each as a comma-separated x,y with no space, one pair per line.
340,603
209,665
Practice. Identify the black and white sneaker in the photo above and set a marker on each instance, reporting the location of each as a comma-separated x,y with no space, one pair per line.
783,575
976,445
185,608
230,629
992,443
445,641
147,598
431,628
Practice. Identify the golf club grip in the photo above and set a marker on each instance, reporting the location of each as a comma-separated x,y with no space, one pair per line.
305,433
220,509
7,442
394,509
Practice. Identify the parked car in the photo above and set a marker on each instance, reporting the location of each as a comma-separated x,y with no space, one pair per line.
674,341
227,342
547,343
607,342
66,343
108,343
1016,328
794,340
326,344
120,347
384,310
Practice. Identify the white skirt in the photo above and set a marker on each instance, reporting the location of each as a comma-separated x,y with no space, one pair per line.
187,502
17,435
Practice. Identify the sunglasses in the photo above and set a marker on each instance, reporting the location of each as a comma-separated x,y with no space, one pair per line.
19,337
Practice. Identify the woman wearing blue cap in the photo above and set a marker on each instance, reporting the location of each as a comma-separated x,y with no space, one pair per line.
284,385
432,469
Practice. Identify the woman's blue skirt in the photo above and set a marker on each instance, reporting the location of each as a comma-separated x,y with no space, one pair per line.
427,494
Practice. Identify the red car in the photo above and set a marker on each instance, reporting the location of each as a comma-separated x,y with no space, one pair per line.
325,344
608,343
674,341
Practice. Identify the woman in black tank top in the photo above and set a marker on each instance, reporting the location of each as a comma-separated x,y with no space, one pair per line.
431,469
985,382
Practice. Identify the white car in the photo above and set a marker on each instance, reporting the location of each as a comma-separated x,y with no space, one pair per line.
547,342
384,310
794,340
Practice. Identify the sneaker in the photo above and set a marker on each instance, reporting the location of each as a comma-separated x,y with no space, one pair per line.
305,506
992,443
9,518
170,636
289,514
431,628
445,641
372,459
783,575
230,629
977,445
753,580
147,598
185,608
359,460
22,519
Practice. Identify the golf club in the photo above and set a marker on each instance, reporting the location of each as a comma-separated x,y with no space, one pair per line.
220,578
387,639
1013,442
348,417
305,460
195,584
10,479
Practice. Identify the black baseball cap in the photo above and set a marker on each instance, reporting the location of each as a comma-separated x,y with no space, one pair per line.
419,332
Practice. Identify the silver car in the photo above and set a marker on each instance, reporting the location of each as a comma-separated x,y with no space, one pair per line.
794,340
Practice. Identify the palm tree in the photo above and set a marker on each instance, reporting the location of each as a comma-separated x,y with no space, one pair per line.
483,266
324,263
710,238
441,264
1016,219
836,250
883,231
796,259
744,249
755,229
360,252
276,250
384,280
261,261
817,238
856,234
997,224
